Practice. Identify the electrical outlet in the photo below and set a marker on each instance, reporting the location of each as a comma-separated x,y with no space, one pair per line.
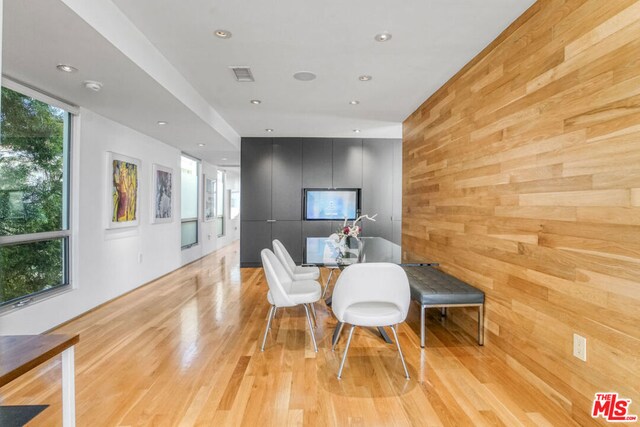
580,347
140,258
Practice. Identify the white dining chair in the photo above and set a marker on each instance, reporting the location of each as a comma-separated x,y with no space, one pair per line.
284,292
374,294
296,272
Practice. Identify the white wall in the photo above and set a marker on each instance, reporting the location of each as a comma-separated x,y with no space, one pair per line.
106,262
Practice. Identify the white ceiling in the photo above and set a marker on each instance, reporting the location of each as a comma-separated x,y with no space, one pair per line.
432,40
39,34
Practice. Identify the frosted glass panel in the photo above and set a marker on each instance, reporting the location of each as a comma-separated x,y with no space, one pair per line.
189,233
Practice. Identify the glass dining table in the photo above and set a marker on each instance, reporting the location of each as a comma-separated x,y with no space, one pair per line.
339,254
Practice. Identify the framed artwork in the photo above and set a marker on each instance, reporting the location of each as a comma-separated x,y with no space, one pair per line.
234,204
162,194
122,191
209,199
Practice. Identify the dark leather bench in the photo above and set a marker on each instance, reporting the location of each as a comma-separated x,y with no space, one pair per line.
433,288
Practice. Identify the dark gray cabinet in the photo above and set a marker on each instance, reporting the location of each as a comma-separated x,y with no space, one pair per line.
255,176
397,192
317,163
275,171
347,163
254,237
397,232
286,189
397,180
377,187
289,232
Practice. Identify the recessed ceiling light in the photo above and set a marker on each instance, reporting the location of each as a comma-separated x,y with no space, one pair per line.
304,76
269,130
382,37
224,158
161,123
364,78
92,85
66,68
255,101
354,102
356,130
201,145
223,34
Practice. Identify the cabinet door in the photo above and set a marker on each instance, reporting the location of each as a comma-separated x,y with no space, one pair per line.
254,237
347,163
397,180
397,232
377,187
286,200
289,232
255,170
317,163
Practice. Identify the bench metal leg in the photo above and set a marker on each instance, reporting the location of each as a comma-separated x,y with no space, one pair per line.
443,311
423,308
481,324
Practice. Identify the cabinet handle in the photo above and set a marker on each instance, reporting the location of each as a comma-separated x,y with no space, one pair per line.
271,220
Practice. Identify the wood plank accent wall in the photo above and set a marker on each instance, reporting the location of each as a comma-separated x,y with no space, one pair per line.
522,177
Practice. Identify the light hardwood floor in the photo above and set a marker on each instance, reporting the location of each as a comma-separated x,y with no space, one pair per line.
184,350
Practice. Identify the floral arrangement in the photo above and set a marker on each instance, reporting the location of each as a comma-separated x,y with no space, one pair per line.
353,230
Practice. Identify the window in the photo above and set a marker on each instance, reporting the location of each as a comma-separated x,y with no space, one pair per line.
34,198
189,201
220,187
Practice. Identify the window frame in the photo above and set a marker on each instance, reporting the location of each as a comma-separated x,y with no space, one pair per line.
65,234
195,219
221,175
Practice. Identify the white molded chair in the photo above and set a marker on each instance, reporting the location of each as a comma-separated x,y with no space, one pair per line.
296,272
284,292
374,294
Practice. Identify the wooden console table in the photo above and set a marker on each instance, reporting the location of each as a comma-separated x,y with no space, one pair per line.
21,353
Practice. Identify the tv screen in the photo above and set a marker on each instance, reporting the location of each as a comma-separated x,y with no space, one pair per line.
331,204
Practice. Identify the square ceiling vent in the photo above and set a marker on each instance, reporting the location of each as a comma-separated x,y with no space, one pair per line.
242,74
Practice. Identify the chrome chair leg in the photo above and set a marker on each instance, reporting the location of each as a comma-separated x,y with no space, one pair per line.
313,313
404,365
272,312
337,336
313,337
346,350
275,310
326,285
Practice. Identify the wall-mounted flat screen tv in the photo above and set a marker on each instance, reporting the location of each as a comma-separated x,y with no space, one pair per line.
336,204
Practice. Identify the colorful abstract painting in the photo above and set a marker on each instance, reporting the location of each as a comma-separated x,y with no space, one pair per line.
123,190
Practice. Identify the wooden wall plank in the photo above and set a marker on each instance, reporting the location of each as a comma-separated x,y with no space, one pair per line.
521,175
